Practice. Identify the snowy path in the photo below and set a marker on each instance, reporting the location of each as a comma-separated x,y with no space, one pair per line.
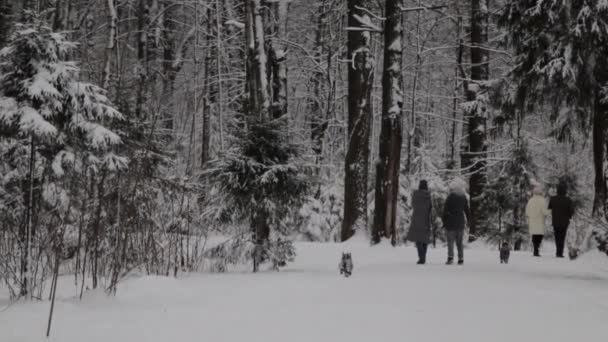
389,298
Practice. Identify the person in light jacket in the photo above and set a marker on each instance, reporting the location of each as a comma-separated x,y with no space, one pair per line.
420,228
536,212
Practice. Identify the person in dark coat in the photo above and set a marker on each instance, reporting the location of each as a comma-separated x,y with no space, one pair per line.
420,227
455,211
562,210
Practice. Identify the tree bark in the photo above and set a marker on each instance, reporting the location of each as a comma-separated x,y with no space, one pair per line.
6,12
61,15
319,121
473,155
209,97
360,84
600,114
387,178
112,23
278,59
259,99
142,56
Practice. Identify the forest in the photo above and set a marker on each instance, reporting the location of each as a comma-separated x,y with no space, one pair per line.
173,136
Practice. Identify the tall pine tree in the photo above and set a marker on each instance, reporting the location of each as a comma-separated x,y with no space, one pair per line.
560,49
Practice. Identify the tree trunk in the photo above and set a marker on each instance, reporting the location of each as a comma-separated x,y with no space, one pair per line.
457,71
6,12
259,103
26,261
360,84
387,178
61,15
278,59
97,233
209,97
142,56
112,24
600,114
318,121
473,155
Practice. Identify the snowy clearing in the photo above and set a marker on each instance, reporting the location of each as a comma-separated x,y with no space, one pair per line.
387,298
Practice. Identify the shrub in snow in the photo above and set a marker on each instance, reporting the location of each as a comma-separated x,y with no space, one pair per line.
260,180
506,196
54,128
320,219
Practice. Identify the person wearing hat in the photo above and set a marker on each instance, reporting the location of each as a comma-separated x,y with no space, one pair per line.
420,227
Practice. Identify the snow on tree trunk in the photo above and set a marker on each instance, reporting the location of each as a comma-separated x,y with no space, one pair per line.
319,122
387,177
360,84
112,24
473,154
259,102
278,59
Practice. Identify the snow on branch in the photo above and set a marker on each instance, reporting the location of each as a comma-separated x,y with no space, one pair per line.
235,23
366,24
369,12
423,8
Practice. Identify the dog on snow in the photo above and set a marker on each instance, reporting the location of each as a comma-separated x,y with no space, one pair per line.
505,251
346,264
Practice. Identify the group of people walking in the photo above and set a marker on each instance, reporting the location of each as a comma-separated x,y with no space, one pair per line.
456,215
561,210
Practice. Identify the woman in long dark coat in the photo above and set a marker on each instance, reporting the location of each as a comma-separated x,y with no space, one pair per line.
420,228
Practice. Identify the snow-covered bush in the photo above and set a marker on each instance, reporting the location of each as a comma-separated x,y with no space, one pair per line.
506,196
54,128
262,183
320,219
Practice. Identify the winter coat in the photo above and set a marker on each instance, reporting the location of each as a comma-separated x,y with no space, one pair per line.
536,211
455,211
420,227
562,210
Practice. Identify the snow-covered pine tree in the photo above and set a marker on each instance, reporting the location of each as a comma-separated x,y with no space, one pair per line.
559,59
261,183
50,123
506,197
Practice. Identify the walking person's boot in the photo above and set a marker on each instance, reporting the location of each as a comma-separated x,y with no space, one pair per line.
460,262
450,261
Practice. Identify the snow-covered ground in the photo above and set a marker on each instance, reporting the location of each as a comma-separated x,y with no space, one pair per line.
388,298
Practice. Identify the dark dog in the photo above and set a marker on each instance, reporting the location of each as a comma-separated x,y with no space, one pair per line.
505,251
573,253
346,265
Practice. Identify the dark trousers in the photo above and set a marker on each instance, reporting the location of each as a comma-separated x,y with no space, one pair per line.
455,237
536,241
560,240
422,247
